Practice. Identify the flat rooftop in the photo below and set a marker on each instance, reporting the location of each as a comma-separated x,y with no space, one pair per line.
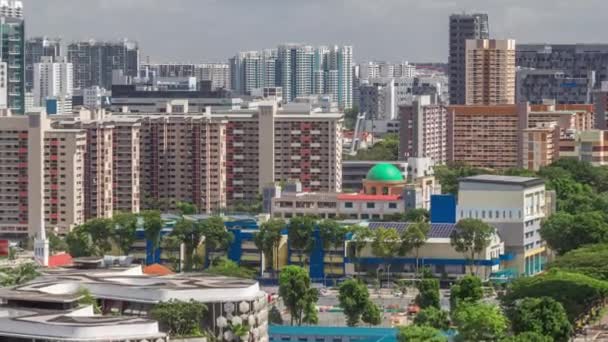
507,180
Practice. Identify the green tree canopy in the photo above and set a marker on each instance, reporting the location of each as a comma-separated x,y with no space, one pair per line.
589,260
300,234
565,232
268,239
433,317
576,292
542,315
298,295
480,322
417,333
153,225
413,238
179,318
123,234
471,237
527,337
428,293
229,268
80,244
467,290
354,300
186,208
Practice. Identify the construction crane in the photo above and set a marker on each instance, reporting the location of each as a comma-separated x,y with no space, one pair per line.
359,126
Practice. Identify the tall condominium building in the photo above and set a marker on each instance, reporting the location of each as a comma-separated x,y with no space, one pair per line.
41,176
377,100
253,70
53,79
98,170
484,136
463,27
490,72
183,159
94,62
35,49
126,159
574,60
535,86
371,70
217,73
295,70
64,177
600,102
12,29
423,130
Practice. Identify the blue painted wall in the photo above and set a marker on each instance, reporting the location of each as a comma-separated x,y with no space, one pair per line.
443,209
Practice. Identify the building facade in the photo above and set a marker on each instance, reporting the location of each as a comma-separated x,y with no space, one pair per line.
589,146
35,49
490,71
53,79
423,130
535,86
94,62
463,27
515,206
12,29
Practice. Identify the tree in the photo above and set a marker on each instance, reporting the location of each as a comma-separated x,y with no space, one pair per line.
217,237
480,322
417,333
274,316
471,237
428,293
189,233
333,236
385,149
56,243
101,230
466,290
79,243
354,300
361,236
181,319
21,274
298,295
372,314
186,208
125,226
413,238
527,337
543,315
417,215
565,232
589,260
576,292
229,268
433,317
386,244
153,225
268,239
301,235
86,299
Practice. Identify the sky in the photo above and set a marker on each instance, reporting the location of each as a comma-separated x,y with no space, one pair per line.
390,30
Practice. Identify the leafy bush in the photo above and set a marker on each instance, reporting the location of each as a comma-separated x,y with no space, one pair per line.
180,318
589,260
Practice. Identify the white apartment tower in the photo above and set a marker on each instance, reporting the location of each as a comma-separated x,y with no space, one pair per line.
53,80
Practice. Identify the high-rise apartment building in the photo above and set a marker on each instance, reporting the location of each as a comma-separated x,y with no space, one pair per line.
53,79
35,49
64,177
217,73
12,30
253,70
94,62
574,60
98,170
588,146
463,27
295,70
490,72
423,130
536,86
126,159
540,145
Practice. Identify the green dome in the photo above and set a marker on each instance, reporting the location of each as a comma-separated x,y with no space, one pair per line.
384,173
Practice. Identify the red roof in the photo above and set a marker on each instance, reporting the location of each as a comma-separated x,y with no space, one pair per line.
157,270
58,260
364,197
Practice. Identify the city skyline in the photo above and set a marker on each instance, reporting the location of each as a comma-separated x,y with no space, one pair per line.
380,30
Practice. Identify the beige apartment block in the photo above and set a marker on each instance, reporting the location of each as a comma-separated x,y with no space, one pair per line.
126,164
98,170
590,146
183,159
490,71
485,136
540,145
64,156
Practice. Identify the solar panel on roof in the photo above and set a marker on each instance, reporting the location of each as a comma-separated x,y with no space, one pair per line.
438,230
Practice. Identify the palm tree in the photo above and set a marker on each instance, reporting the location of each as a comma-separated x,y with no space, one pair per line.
413,238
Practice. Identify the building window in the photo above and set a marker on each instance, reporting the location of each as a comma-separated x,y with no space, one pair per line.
392,205
348,205
385,191
371,205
